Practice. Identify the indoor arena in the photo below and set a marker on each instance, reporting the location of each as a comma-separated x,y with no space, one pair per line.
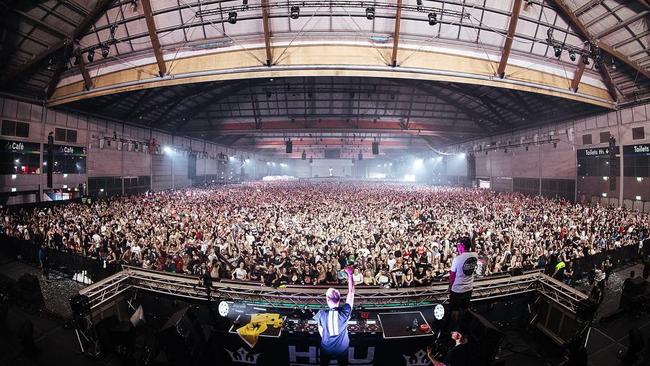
325,182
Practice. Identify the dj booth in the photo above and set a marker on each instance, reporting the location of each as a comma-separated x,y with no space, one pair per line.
248,324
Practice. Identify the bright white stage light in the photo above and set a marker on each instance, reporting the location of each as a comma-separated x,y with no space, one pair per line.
224,308
168,150
439,312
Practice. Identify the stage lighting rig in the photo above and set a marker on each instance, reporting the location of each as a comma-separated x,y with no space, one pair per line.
370,13
232,17
105,49
295,12
293,7
592,50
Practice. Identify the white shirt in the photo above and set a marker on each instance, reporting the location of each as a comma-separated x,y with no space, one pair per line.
464,265
240,273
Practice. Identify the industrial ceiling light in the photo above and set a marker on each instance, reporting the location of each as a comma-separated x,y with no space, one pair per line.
105,50
112,30
232,17
134,5
77,60
433,18
597,61
585,60
370,13
91,55
613,64
572,55
558,51
295,12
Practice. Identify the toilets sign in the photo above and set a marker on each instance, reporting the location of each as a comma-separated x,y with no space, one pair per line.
639,149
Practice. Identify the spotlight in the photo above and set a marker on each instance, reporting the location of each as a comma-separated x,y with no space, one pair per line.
585,60
134,5
224,309
168,150
232,17
112,30
558,51
77,60
370,13
439,312
613,64
572,55
597,62
105,50
295,12
245,2
433,18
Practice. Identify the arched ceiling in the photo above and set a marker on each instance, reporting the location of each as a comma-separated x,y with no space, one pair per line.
483,65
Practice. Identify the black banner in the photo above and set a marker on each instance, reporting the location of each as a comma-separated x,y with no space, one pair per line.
637,150
300,349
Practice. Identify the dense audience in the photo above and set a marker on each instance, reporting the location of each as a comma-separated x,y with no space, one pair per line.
306,232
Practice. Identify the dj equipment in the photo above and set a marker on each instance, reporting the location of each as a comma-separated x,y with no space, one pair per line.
404,324
309,326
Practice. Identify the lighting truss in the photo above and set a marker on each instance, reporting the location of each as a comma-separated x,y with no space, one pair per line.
104,292
590,51
334,3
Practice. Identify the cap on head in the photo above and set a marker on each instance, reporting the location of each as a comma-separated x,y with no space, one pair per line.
333,297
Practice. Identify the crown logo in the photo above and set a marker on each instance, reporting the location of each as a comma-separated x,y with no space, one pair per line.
243,357
418,359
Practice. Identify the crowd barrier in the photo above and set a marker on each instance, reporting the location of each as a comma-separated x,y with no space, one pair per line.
62,261
617,257
97,269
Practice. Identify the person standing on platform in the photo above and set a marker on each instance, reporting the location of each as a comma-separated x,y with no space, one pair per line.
333,324
461,280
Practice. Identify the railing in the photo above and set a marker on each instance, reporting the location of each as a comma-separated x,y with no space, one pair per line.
312,297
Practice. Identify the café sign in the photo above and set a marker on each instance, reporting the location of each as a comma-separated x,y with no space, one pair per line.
20,146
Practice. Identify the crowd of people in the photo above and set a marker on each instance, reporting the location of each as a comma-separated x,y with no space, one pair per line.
301,232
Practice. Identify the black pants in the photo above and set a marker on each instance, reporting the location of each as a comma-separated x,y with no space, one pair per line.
341,359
